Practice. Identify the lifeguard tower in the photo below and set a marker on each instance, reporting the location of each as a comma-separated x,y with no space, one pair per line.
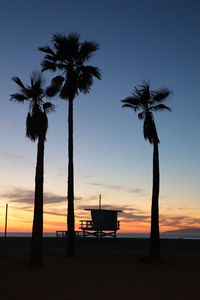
103,223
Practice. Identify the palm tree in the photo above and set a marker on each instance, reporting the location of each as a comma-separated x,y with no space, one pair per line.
36,129
147,101
69,55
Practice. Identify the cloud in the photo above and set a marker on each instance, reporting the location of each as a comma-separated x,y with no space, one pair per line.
91,198
45,212
23,199
62,171
111,207
135,216
118,187
127,215
11,156
178,221
19,220
54,213
18,195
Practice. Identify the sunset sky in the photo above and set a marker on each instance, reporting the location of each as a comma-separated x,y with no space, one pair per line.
156,40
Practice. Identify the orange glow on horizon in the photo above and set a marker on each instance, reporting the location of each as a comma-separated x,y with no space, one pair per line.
20,220
54,226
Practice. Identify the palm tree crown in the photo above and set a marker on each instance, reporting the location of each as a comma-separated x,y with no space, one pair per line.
36,122
147,101
70,56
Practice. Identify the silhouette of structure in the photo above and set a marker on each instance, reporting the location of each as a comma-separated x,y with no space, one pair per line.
6,221
103,223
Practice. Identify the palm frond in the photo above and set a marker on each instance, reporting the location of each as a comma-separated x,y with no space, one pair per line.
69,89
31,131
128,105
134,101
161,95
87,49
59,39
37,79
47,49
74,37
48,65
149,129
55,86
62,66
18,81
66,47
18,97
49,107
142,92
86,78
36,90
85,82
51,58
36,125
93,71
160,107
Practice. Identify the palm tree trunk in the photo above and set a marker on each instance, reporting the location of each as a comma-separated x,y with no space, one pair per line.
71,249
36,255
154,250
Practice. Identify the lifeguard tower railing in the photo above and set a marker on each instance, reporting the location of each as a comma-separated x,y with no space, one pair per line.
103,223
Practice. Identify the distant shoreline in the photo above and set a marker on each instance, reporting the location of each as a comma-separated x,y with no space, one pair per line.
164,235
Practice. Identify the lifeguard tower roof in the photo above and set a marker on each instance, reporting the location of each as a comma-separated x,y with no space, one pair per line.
99,209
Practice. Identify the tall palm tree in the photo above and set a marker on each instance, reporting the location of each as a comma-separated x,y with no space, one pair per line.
69,56
147,101
36,129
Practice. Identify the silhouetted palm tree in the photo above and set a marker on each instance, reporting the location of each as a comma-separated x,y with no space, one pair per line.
69,55
36,129
147,101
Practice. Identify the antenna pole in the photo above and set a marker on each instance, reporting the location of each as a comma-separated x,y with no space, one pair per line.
100,201
6,221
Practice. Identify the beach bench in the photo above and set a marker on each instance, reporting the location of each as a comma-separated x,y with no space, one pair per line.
103,223
63,233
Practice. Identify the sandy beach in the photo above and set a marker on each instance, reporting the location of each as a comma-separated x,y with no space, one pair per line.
103,269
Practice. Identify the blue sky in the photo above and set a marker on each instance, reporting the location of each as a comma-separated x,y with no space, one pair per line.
152,40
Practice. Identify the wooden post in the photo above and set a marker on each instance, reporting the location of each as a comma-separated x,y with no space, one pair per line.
100,201
6,221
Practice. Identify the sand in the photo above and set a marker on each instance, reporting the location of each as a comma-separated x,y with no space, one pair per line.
103,269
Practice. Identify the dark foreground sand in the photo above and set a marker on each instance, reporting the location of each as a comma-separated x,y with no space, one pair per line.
103,269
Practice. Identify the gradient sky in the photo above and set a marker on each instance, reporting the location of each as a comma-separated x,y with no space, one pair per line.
153,40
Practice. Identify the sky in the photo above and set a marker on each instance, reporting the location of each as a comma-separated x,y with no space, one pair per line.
153,40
